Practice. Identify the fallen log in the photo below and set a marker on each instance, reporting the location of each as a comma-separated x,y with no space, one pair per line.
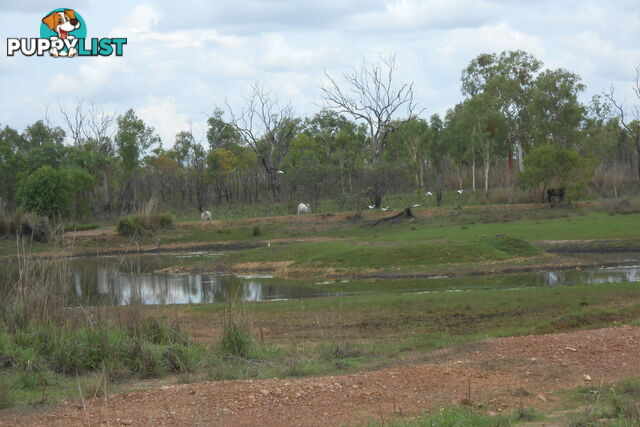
402,216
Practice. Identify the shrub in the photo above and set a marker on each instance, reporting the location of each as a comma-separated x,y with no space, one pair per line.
138,224
256,230
549,166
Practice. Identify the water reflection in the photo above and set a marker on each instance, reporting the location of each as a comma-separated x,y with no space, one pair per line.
593,276
118,288
122,281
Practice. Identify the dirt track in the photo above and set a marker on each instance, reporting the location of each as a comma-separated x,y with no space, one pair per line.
499,374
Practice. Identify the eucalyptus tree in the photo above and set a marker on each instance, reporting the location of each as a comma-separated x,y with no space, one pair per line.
133,139
509,78
555,112
436,151
192,156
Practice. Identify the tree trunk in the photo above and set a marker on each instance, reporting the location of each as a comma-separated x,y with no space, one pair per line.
487,165
473,171
105,187
638,154
520,153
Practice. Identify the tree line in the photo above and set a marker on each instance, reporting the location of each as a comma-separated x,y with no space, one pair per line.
518,125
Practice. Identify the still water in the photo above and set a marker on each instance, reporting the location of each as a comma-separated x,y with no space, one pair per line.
135,279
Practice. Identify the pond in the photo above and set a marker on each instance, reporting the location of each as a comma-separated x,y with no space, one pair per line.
122,280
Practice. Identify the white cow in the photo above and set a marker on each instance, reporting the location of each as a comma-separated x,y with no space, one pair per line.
305,209
206,216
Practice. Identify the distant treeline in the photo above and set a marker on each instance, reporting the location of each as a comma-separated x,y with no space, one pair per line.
356,150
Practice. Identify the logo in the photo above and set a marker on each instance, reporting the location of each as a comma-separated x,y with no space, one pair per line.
63,34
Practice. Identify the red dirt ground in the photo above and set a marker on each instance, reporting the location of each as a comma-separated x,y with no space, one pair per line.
495,375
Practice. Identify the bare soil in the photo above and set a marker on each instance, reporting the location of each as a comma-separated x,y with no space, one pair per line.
495,376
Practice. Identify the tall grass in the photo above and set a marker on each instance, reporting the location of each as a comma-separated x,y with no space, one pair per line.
43,338
21,223
237,339
37,293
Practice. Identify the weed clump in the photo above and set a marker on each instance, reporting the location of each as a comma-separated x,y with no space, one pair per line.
236,339
25,224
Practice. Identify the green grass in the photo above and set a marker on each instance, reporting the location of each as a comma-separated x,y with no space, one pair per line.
461,416
81,227
387,254
606,404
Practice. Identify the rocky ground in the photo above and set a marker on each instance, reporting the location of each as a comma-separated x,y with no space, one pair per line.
495,376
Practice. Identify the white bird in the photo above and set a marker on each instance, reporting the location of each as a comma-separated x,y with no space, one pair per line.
385,209
428,194
280,172
371,206
416,205
459,191
269,244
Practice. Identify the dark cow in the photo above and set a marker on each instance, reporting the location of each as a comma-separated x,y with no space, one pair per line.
555,192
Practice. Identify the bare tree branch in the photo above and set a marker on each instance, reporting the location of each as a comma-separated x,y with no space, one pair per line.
267,128
75,124
370,95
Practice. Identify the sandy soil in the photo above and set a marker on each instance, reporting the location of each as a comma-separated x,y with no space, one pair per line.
496,376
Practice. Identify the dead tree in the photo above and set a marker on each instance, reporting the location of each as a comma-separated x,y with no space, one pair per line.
268,129
370,95
633,126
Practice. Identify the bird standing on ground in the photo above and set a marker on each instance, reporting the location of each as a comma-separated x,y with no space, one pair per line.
460,191
428,194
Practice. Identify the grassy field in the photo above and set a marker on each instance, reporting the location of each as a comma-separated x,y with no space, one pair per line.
42,363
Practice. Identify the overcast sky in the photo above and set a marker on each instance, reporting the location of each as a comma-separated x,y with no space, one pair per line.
184,58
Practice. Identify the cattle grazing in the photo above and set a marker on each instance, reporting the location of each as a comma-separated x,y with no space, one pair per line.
555,192
304,208
206,216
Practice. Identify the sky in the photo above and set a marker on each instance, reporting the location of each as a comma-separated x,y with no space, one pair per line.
183,59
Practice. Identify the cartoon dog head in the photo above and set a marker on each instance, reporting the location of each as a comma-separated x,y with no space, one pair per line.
62,22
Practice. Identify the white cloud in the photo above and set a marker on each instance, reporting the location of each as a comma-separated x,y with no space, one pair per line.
181,59
142,19
468,42
92,79
278,53
407,15
161,112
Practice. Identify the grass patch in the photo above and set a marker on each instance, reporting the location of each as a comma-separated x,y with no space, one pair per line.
386,255
138,225
614,405
81,227
455,416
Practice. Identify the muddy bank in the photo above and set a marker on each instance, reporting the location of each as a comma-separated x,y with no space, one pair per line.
594,246
286,269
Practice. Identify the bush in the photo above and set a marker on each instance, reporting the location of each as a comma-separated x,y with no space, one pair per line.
256,230
140,224
548,166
